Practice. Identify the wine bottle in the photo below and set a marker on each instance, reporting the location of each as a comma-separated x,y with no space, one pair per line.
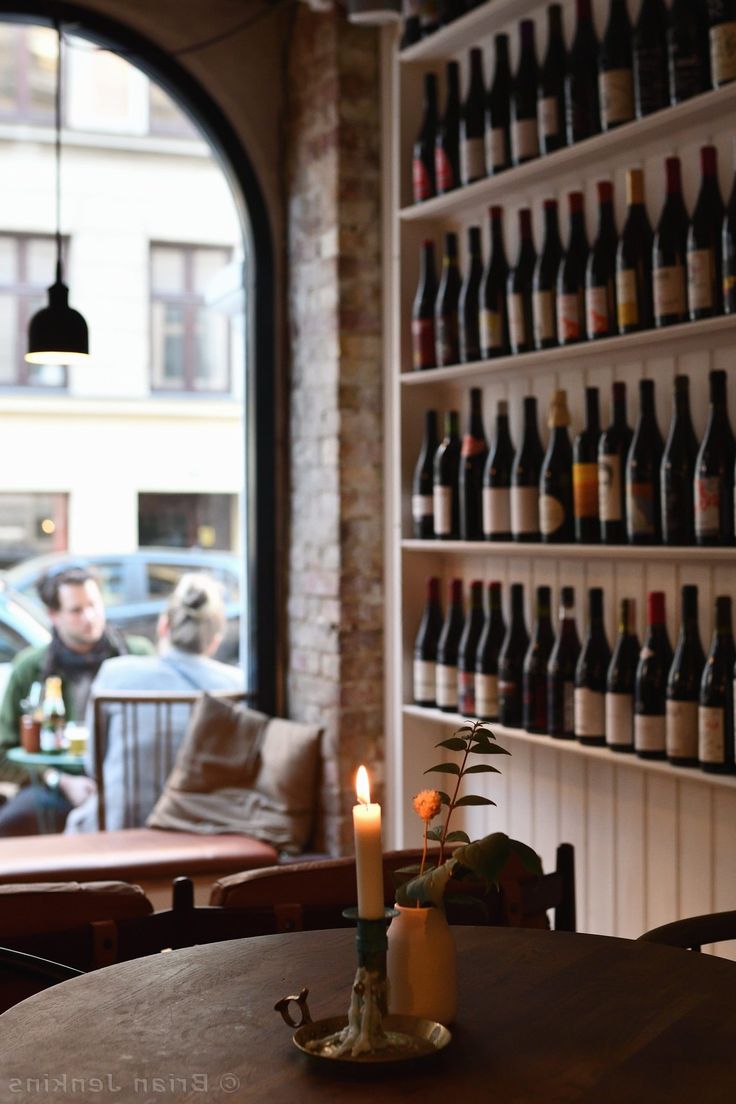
621,680
678,470
447,142
423,342
714,471
600,272
422,175
411,23
486,661
669,253
585,473
651,87
728,248
519,289
615,68
497,480
473,456
715,709
650,690
590,676
561,666
447,650
534,672
571,277
525,475
446,309
469,301
704,243
494,327
643,510
634,261
524,132
551,93
425,647
498,101
613,450
511,662
467,650
422,493
472,123
582,110
428,17
446,474
449,11
544,310
722,18
687,50
556,480
683,686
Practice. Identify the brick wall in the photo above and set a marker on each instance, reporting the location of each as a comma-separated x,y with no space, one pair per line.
335,589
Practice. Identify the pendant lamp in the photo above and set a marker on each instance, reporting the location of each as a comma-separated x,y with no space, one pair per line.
57,334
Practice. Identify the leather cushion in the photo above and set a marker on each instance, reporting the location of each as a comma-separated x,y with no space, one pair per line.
52,906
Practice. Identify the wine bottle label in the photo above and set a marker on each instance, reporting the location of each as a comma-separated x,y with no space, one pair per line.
723,52
421,183
669,291
496,511
650,732
640,509
597,308
544,317
609,487
524,510
619,719
585,490
442,503
590,712
551,514
701,273
627,305
446,686
424,680
491,330
422,506
422,342
711,734
524,139
517,322
472,446
617,96
466,691
569,317
444,175
486,695
472,159
548,117
568,706
446,334
496,157
708,489
682,729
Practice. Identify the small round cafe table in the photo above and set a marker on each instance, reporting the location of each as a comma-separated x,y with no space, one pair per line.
544,1017
36,762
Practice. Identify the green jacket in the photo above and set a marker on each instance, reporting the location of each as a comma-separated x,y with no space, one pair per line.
27,668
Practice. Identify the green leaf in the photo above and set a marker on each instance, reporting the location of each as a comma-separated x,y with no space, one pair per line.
460,731
529,857
490,749
444,768
457,837
429,888
444,798
453,744
435,833
481,768
486,857
473,799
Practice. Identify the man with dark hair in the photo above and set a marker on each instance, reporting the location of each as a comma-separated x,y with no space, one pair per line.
81,641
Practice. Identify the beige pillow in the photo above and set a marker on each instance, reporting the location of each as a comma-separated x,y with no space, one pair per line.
240,771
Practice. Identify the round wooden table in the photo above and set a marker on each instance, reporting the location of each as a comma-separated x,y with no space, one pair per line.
544,1017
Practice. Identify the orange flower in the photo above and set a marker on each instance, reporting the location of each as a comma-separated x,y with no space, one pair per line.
427,804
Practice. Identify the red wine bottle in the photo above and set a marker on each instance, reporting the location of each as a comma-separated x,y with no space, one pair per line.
494,327
486,657
634,261
423,341
446,309
422,493
613,450
561,666
585,473
447,142
544,287
447,650
687,50
728,245
714,472
643,508
683,686
600,272
468,650
425,647
582,110
498,105
445,487
715,709
704,243
525,476
524,131
615,68
621,681
472,123
722,18
669,253
473,456
551,92
571,277
555,483
650,691
422,175
519,289
534,671
469,301
651,88
678,470
497,480
511,662
590,676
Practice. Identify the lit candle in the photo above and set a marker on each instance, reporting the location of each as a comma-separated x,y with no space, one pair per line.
368,853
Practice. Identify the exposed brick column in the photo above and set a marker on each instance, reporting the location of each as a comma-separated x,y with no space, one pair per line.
335,604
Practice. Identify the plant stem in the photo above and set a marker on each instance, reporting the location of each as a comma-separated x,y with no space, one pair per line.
454,797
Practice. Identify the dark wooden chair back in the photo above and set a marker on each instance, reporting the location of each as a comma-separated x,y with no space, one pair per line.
694,932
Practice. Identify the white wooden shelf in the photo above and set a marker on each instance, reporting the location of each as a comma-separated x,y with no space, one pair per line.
605,552
573,747
466,30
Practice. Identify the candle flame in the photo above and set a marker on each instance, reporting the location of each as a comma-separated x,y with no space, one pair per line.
362,786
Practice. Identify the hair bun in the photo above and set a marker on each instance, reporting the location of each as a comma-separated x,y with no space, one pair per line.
194,598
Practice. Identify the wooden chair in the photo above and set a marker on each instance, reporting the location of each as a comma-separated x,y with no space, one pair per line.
694,931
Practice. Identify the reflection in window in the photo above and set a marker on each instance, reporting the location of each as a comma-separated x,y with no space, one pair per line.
26,270
27,72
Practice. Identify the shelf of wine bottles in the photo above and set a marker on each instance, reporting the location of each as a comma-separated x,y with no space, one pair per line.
585,552
482,20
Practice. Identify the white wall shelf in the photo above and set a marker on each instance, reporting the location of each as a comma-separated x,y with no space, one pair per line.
485,20
605,552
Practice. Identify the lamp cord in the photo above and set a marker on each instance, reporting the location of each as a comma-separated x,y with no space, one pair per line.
57,106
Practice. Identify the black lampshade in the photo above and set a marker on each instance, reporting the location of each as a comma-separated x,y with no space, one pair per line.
57,334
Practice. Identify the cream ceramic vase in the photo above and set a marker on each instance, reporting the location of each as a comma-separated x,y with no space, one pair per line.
422,965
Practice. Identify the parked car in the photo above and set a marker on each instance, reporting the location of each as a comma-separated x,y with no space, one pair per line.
136,585
21,625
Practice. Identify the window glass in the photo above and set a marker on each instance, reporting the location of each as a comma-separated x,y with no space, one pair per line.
8,327
105,92
165,117
212,350
112,583
167,269
168,345
42,62
40,262
162,578
9,74
8,261
11,642
207,263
